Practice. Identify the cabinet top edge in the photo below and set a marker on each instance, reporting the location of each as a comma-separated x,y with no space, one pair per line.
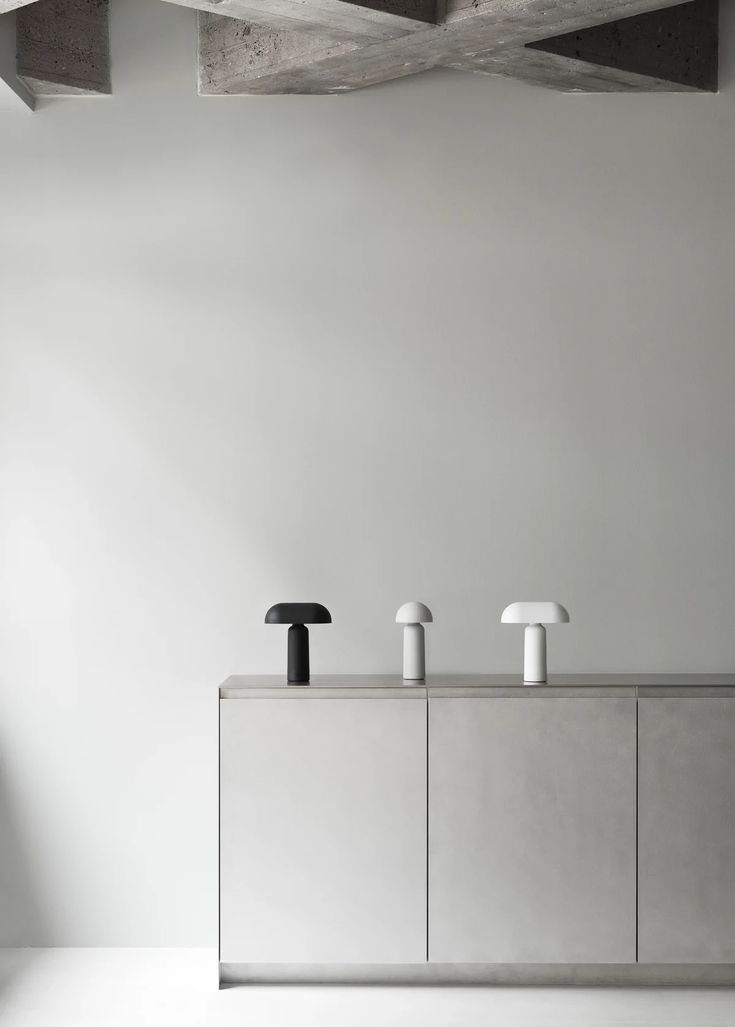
447,685
263,686
532,691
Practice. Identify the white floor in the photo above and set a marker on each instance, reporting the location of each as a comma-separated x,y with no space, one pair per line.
177,988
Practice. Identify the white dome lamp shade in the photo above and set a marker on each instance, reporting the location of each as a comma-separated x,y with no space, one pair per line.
534,616
413,616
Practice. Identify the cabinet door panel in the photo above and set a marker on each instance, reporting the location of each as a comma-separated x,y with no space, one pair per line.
323,830
686,834
532,821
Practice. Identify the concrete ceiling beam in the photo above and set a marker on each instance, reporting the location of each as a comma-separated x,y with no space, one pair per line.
64,48
237,57
564,74
249,60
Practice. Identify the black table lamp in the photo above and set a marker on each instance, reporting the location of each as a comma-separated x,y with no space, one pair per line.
298,615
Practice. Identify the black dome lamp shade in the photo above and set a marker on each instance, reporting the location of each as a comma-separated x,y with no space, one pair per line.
298,615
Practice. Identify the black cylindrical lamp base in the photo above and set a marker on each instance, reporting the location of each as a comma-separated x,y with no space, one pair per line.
298,615
298,654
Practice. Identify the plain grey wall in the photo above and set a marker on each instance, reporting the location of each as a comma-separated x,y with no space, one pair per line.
453,339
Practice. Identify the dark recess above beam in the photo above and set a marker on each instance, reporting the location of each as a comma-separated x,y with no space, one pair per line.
678,45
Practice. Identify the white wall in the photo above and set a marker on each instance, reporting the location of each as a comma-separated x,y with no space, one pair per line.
453,339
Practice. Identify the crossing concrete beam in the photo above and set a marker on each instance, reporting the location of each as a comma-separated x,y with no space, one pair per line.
333,46
565,74
63,47
235,56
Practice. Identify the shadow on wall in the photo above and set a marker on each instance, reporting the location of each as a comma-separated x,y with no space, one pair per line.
20,920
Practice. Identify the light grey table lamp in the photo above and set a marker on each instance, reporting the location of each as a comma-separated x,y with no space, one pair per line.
534,616
413,616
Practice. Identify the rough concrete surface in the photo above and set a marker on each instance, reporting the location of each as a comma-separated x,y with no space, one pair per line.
64,48
468,37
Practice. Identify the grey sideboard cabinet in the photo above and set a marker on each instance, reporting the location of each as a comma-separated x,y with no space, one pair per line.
478,829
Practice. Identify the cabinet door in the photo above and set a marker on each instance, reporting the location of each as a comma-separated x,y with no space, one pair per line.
323,830
686,833
532,820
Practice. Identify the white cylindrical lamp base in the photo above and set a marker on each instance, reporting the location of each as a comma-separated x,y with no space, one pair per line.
414,667
534,653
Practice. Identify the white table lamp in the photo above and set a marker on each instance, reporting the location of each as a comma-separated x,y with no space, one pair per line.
413,616
534,616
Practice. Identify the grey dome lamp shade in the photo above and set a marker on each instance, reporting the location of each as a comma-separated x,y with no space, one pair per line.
298,615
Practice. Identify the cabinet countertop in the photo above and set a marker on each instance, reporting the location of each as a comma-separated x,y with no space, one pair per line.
603,686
